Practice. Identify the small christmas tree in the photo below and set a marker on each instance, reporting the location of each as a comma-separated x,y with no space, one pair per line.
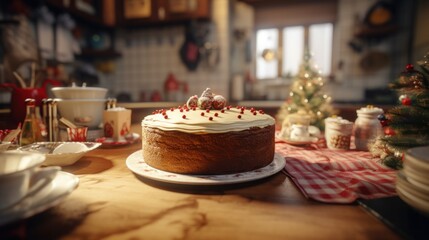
406,125
306,95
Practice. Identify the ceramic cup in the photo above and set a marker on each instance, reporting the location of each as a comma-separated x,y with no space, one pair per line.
78,134
338,132
117,123
299,132
20,175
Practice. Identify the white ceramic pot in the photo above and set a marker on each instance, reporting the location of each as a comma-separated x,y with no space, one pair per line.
367,127
79,92
338,132
83,112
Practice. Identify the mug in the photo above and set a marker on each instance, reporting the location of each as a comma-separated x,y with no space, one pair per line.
299,132
18,109
18,96
20,175
338,132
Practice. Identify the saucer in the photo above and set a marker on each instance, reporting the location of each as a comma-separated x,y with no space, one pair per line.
304,141
49,196
110,142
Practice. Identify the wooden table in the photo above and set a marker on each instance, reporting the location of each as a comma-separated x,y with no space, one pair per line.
113,203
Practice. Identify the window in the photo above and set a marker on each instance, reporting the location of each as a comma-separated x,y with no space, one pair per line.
281,54
266,50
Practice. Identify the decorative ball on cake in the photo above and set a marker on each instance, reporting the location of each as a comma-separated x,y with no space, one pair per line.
205,103
192,102
219,102
207,93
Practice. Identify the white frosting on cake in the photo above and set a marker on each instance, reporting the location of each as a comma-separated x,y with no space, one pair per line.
195,123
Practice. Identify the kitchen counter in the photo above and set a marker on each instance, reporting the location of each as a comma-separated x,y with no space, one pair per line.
113,203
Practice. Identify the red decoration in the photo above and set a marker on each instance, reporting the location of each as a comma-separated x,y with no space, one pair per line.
406,101
184,116
210,118
216,114
108,130
205,102
202,113
124,129
219,102
239,116
192,101
409,67
384,122
389,131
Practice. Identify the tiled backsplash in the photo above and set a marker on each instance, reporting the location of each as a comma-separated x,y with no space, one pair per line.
149,55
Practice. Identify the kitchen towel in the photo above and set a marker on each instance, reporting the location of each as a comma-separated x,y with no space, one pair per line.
336,176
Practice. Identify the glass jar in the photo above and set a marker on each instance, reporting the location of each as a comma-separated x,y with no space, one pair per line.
367,127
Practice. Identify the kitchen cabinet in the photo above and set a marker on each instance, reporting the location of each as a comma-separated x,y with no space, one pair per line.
158,12
92,17
88,11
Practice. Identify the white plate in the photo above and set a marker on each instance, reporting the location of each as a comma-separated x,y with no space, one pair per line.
415,174
402,181
136,163
109,142
418,157
412,200
60,187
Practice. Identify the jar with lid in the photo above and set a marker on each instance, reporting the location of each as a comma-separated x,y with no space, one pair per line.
367,127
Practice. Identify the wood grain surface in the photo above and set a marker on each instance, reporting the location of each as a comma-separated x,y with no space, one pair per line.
113,203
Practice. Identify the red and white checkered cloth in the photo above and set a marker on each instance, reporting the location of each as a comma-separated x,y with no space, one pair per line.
336,176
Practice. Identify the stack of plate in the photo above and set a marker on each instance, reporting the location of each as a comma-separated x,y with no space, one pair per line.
413,182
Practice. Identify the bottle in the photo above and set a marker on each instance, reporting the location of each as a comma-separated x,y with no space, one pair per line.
55,124
367,127
41,123
30,128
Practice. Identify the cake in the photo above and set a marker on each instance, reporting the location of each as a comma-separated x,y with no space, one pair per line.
208,138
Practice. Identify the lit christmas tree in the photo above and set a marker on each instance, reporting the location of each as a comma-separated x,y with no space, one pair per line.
306,95
406,125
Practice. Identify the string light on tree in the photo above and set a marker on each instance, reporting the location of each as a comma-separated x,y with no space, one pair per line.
307,95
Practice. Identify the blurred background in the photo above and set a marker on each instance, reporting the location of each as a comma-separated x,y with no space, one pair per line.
167,50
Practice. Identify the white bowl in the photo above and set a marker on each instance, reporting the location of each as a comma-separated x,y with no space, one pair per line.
79,92
4,146
60,153
84,112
